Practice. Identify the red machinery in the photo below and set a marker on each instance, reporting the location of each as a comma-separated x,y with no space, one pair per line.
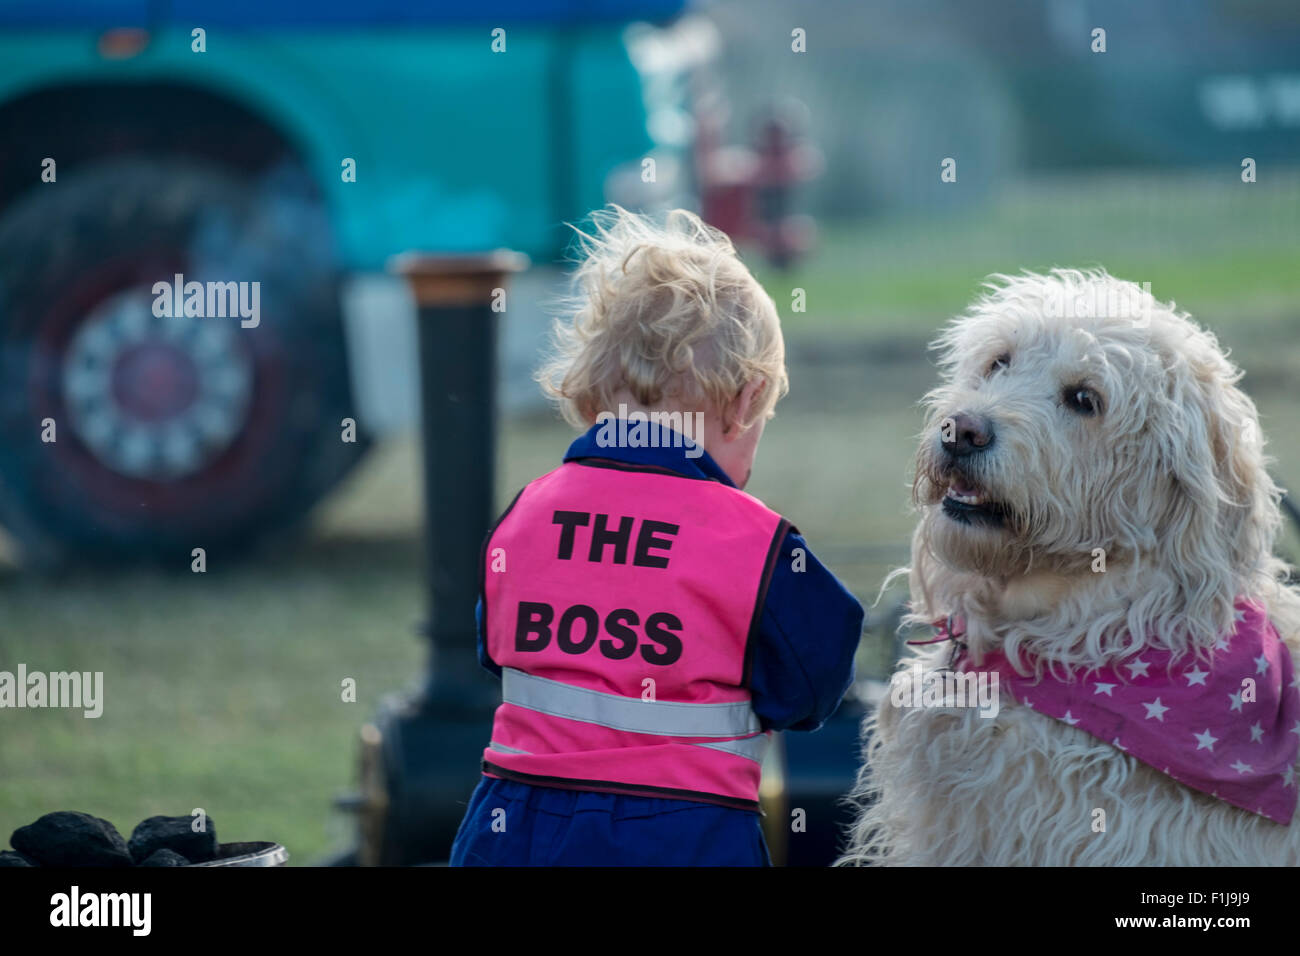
748,192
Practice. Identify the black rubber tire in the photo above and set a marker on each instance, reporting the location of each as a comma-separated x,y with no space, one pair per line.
136,221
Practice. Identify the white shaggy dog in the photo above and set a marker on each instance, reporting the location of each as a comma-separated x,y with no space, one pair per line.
1109,420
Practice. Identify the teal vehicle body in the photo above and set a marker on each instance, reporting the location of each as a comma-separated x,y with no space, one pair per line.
294,148
456,148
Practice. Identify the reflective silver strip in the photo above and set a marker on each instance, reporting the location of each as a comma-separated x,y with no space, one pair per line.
752,748
659,717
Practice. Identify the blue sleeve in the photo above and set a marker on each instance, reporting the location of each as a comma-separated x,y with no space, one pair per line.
801,661
483,657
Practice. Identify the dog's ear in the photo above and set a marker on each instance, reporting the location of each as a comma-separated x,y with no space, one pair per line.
1222,514
1248,511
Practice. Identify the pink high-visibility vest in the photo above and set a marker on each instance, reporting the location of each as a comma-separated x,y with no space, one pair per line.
620,601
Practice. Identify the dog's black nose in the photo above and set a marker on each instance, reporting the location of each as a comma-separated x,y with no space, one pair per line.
964,434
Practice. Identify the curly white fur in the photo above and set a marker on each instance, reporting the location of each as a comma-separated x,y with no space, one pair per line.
1169,480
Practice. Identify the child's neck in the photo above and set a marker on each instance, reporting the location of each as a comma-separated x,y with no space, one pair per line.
707,430
641,426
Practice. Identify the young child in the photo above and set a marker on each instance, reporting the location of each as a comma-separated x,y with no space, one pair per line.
652,624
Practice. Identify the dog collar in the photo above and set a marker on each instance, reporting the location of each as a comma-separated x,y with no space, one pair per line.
952,628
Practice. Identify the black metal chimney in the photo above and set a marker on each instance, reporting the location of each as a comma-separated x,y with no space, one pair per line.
421,756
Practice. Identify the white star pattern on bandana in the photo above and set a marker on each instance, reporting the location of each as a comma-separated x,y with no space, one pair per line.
1138,668
1155,710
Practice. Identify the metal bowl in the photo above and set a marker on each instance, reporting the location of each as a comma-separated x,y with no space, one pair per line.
248,854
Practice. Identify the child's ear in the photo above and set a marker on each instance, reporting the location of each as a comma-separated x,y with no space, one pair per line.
741,408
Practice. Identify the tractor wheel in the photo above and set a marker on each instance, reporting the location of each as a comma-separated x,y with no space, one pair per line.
130,432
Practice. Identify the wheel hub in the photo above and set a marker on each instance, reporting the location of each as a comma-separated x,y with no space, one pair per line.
154,382
155,397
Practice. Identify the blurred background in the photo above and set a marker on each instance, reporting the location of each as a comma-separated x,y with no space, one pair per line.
303,146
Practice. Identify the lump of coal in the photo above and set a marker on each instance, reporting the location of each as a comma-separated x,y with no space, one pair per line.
10,858
165,857
65,838
175,834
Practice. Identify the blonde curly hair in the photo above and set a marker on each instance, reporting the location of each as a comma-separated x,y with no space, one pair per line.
666,312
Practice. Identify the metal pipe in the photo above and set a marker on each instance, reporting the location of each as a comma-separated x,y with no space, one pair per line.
455,298
421,756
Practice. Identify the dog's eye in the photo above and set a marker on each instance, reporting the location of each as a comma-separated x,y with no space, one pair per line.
1081,400
1001,362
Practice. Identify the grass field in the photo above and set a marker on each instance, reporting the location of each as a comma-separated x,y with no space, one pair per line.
1211,243
223,689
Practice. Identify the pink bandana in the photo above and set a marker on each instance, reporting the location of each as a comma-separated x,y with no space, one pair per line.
1198,726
